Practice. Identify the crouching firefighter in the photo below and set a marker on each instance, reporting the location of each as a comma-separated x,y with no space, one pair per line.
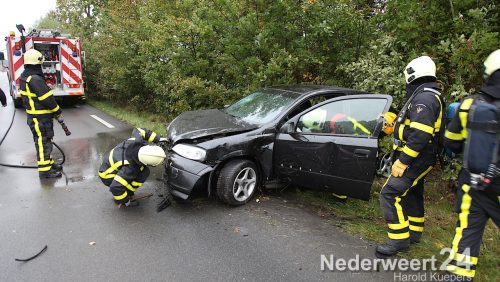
41,108
125,169
476,130
416,133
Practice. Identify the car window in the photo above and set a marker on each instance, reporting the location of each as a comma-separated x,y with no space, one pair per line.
260,107
308,103
345,117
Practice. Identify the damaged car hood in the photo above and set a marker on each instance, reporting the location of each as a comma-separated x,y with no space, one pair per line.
198,124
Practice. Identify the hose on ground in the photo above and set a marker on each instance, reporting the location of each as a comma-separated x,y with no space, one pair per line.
26,166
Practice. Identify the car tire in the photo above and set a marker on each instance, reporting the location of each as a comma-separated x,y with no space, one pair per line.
237,182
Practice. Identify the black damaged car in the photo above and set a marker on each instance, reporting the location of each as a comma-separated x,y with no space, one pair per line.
318,137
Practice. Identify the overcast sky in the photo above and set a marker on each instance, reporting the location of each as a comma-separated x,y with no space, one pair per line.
25,12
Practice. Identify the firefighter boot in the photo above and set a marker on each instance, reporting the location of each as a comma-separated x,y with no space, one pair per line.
52,173
57,167
391,248
415,237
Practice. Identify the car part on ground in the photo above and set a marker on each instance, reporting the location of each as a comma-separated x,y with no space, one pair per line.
237,182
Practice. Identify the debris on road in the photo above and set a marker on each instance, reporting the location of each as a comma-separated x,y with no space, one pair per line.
92,243
243,231
28,259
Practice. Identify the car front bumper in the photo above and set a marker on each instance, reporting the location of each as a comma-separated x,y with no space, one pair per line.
183,176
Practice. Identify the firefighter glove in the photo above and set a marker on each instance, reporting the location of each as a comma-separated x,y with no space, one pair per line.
398,168
60,118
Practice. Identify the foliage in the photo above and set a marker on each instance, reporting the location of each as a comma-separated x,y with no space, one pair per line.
49,21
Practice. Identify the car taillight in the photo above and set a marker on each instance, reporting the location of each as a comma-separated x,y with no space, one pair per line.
74,86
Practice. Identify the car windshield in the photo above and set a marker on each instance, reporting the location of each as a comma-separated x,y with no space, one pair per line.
260,107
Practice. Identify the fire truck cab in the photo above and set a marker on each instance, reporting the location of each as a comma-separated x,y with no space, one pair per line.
62,66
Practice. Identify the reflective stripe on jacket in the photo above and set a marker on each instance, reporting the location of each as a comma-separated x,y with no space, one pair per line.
37,97
421,124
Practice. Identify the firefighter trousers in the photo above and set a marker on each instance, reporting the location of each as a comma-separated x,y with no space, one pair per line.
474,209
43,132
119,190
402,201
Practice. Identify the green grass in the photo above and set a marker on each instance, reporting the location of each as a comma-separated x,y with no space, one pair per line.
132,116
364,219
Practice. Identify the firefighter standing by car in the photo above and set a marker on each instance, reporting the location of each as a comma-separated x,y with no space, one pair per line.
125,169
41,108
416,135
478,194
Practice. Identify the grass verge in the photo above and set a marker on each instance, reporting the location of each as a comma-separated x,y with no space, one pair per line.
364,219
132,116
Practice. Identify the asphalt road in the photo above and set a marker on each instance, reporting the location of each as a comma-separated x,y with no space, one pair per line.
205,240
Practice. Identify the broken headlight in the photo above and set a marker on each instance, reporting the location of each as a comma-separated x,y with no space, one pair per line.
190,152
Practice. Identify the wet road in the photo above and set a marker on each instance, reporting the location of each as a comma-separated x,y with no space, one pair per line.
205,240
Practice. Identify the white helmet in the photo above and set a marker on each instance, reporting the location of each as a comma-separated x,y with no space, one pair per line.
492,63
33,57
151,155
419,67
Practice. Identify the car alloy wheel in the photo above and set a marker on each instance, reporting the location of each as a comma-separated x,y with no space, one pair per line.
385,165
238,180
244,184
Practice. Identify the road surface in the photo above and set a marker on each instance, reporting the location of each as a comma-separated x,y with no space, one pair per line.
204,240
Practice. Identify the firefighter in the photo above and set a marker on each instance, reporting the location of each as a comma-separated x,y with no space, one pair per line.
3,99
416,135
474,206
41,109
343,124
125,169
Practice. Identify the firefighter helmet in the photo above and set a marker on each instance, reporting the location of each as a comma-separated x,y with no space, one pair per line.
151,155
315,119
389,122
419,67
492,63
33,57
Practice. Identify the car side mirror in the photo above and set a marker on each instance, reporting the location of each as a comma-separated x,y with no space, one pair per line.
288,127
2,56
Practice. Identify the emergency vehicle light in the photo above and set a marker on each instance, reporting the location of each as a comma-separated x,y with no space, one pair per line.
12,34
17,46
74,86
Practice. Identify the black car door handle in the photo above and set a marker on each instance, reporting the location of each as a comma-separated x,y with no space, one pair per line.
362,153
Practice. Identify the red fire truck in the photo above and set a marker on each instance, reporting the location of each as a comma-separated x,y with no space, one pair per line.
62,66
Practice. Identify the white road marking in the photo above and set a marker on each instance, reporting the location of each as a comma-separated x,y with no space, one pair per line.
103,121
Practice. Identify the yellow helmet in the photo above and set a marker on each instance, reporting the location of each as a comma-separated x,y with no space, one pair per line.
33,57
389,122
314,119
419,67
151,155
492,63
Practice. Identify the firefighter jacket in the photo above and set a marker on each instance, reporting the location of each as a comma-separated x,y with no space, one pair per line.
456,131
419,129
123,167
37,97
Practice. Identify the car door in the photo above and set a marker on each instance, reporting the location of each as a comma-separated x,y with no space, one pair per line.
333,145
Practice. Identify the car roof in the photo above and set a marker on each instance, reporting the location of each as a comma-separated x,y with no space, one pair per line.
306,90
